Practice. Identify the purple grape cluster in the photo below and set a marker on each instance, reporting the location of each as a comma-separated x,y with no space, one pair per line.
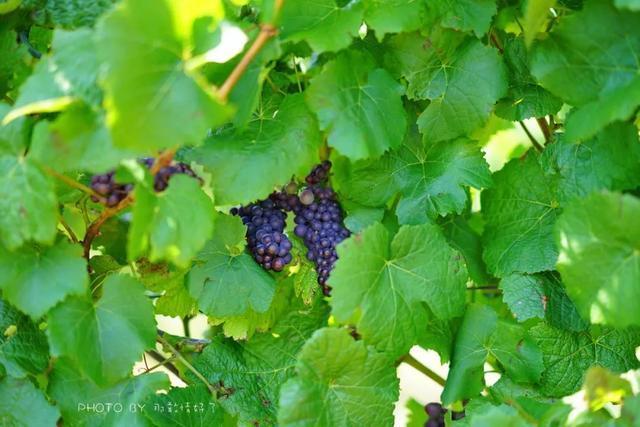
319,173
436,415
114,192
319,223
265,222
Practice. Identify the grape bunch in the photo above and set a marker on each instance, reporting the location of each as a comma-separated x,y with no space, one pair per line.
436,415
319,221
265,222
113,192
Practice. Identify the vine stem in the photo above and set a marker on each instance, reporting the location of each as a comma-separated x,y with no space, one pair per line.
71,182
163,361
535,143
544,127
212,389
415,364
68,229
267,31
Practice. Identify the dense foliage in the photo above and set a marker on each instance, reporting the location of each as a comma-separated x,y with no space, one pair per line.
330,183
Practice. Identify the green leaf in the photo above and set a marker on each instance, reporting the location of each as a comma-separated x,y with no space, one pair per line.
536,13
394,16
188,406
175,299
617,104
602,387
466,376
34,279
27,202
610,160
23,405
632,5
76,140
525,98
520,211
280,146
598,71
387,281
166,222
104,339
541,296
322,23
460,76
462,237
417,415
12,61
599,241
228,283
253,372
25,350
567,355
15,135
433,178
517,352
502,415
74,13
340,382
70,73
358,105
465,15
80,399
149,87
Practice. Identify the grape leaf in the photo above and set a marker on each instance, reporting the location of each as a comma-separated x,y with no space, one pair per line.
339,382
387,280
12,62
536,13
417,416
84,403
358,105
77,13
188,406
34,280
24,351
13,136
148,85
633,5
70,73
520,211
525,97
23,405
394,16
580,65
27,202
599,241
76,140
253,372
104,339
567,355
226,282
166,223
540,296
465,15
322,23
482,334
618,104
462,237
433,176
610,160
460,76
466,375
175,299
281,145
502,415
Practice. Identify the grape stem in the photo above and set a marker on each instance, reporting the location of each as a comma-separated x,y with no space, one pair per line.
212,389
415,364
544,127
69,231
71,182
535,143
267,31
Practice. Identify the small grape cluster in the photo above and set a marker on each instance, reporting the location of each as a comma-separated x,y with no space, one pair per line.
113,192
436,415
265,222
